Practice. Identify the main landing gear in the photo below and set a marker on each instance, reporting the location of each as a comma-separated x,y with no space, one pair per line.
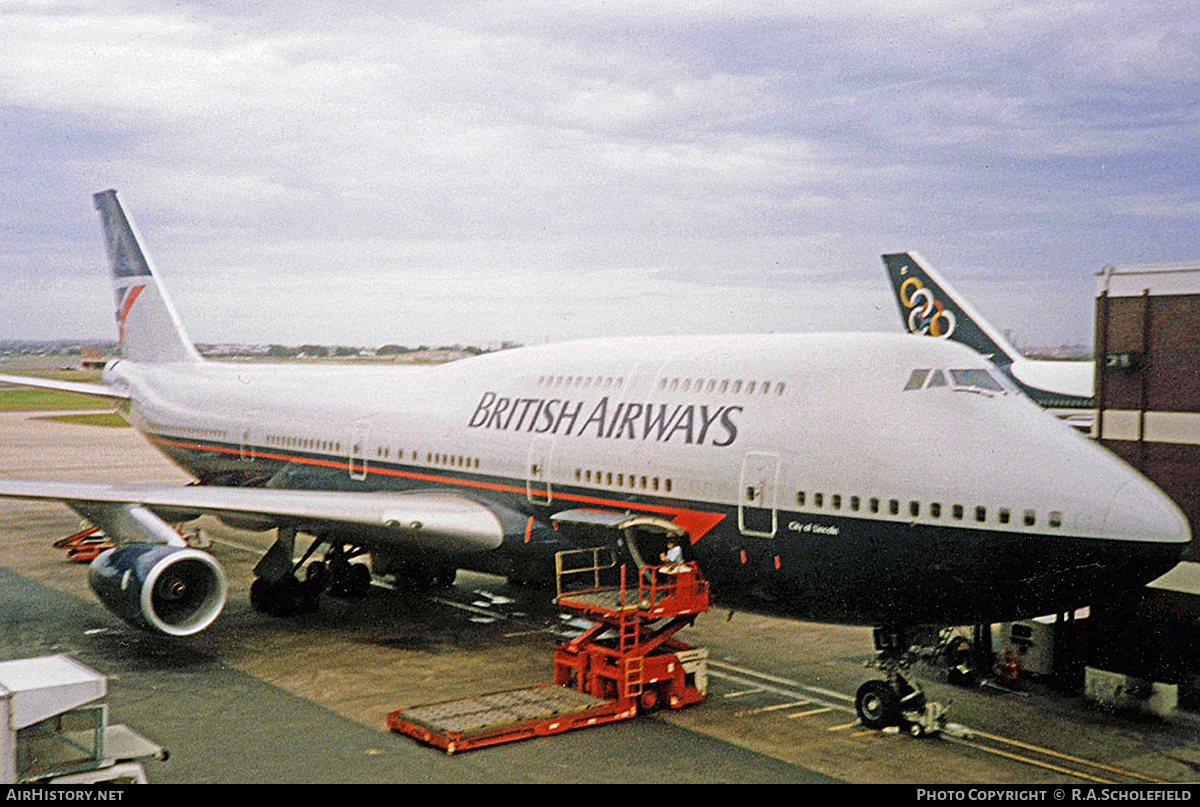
894,700
277,590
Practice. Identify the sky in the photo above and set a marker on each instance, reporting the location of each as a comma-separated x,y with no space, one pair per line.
367,172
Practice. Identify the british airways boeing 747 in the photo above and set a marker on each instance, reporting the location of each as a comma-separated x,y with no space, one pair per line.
876,479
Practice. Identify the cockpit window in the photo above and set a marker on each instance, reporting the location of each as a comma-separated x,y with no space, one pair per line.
975,381
916,380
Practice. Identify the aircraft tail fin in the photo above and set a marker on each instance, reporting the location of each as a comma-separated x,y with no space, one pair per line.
930,306
147,325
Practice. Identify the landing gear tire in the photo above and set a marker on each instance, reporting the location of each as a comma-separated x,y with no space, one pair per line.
284,597
360,579
316,575
349,580
877,704
316,578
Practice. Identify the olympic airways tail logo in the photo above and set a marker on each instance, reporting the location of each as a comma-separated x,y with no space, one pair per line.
926,314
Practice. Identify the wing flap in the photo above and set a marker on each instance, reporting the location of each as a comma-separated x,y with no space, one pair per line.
426,519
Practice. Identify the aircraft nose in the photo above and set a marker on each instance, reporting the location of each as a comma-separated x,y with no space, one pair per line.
1140,512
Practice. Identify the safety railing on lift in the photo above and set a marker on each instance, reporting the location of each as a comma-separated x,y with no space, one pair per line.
590,563
599,567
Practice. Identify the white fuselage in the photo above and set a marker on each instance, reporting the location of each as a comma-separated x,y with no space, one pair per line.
811,455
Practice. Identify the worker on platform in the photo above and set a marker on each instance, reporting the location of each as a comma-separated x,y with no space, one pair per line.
672,558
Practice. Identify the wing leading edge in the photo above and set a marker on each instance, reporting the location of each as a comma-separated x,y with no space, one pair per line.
426,520
77,387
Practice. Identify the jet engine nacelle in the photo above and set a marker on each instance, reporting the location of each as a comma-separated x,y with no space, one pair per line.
167,589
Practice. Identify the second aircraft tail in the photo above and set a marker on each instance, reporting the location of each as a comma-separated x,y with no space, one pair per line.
147,325
928,305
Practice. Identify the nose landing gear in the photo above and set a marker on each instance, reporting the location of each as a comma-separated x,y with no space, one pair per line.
895,700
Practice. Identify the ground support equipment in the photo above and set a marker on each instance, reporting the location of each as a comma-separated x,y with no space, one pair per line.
624,664
55,728
631,654
85,545
504,717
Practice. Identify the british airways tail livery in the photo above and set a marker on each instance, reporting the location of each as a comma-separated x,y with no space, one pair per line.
931,307
874,479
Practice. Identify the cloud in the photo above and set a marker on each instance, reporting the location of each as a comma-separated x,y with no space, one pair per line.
760,145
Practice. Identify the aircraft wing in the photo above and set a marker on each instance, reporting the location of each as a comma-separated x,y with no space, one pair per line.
422,519
77,387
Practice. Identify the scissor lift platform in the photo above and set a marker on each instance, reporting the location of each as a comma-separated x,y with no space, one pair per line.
613,670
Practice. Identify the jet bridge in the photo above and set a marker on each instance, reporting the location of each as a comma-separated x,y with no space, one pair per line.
54,727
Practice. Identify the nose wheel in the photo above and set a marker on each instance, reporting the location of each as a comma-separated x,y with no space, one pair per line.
894,700
877,705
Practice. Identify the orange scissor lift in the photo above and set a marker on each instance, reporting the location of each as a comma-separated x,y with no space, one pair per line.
628,662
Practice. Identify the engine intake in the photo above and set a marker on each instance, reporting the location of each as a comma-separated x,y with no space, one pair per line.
174,590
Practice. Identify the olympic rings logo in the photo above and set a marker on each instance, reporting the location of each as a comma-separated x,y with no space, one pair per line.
926,314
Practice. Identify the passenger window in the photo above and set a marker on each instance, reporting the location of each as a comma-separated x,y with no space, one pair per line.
981,514
800,498
818,499
854,503
873,505
1002,515
935,510
893,506
1030,518
957,512
835,500
1055,518
914,509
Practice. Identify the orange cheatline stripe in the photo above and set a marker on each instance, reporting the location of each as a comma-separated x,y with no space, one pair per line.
696,522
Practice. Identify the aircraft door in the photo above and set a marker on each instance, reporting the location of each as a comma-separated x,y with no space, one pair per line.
358,451
537,477
756,494
246,436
